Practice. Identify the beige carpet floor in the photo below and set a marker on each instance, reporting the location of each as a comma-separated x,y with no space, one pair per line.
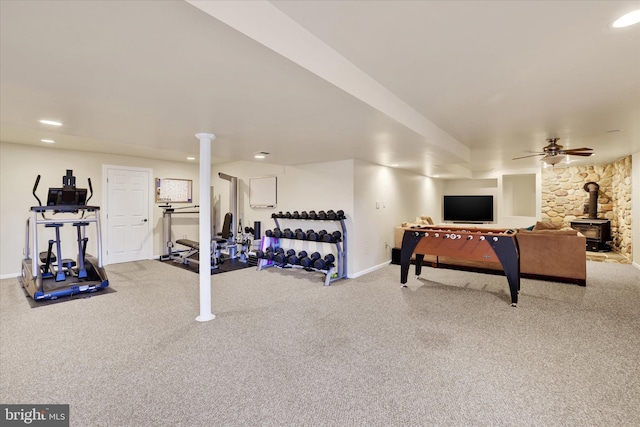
284,350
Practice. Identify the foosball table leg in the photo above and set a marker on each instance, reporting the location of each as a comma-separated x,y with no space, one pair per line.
419,259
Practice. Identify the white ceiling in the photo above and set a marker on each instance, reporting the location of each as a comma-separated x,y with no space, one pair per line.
449,88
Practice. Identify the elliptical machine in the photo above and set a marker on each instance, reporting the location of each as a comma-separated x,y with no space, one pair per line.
46,275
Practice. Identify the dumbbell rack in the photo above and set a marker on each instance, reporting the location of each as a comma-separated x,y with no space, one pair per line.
341,247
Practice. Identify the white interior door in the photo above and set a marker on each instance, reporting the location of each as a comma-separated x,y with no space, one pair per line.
128,219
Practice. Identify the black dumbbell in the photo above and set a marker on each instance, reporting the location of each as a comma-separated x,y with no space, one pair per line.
294,259
288,215
321,235
268,233
287,255
326,237
313,215
249,230
309,260
312,235
340,214
269,254
263,254
295,215
279,256
304,215
287,233
322,215
331,214
277,233
333,237
323,264
299,234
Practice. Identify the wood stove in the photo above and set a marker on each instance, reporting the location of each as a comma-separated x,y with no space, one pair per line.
597,232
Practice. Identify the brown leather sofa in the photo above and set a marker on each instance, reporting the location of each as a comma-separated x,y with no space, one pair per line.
548,254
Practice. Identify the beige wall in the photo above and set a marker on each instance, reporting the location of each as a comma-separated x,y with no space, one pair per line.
383,198
376,198
354,186
19,166
318,186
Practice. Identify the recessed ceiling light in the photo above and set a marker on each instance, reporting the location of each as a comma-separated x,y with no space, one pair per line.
394,165
48,141
191,158
261,155
630,18
50,122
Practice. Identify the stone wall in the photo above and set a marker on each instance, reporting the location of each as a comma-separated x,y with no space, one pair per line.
564,198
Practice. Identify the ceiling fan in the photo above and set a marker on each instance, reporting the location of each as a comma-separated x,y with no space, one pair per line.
553,151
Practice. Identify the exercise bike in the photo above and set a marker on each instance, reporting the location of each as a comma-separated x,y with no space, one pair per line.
46,275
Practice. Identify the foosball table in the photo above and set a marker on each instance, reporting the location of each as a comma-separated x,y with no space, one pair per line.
488,245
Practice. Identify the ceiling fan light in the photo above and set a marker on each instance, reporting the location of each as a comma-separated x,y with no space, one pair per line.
552,160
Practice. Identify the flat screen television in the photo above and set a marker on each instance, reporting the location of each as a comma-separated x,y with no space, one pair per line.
471,209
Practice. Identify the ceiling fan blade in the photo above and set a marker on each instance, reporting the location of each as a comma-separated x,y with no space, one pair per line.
569,150
578,154
553,151
530,155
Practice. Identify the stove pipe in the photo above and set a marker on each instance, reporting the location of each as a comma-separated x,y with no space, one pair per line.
592,188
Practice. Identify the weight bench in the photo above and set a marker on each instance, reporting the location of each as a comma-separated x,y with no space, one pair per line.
189,255
217,244
189,243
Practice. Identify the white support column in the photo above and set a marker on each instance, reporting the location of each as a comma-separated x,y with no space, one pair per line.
205,227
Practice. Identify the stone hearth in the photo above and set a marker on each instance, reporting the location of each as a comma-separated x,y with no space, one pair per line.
612,257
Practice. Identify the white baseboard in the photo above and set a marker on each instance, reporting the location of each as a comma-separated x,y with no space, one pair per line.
368,270
10,276
636,265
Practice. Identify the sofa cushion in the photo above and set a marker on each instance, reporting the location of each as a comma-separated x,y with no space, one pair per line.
547,226
425,220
